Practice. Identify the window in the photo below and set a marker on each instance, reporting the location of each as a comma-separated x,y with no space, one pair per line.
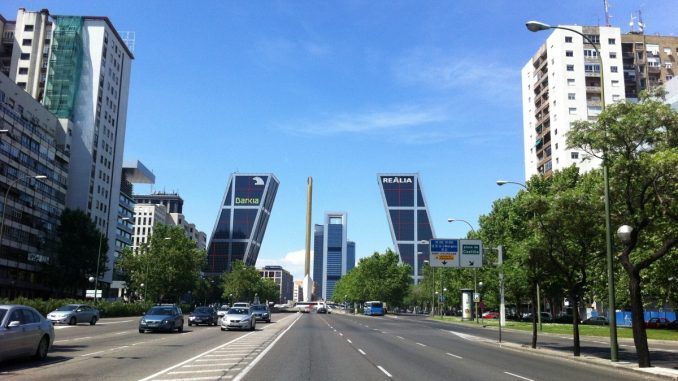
27,42
574,155
594,38
615,83
568,39
570,81
616,97
570,67
569,53
556,145
613,54
592,68
25,56
590,53
571,96
573,110
28,28
614,69
611,41
23,70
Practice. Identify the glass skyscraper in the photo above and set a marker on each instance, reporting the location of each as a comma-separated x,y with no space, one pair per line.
333,254
241,223
408,218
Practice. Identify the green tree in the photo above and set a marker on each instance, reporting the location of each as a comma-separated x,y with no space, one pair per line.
378,277
243,282
76,253
168,265
639,143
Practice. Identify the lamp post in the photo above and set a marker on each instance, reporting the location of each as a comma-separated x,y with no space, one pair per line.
96,275
433,314
536,26
433,285
4,203
480,298
442,308
504,182
143,285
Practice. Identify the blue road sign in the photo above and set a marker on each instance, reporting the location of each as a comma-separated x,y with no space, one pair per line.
444,245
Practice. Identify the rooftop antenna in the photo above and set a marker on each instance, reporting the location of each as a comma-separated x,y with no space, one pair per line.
607,12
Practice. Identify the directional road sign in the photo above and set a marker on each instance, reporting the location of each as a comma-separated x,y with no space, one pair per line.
444,253
470,253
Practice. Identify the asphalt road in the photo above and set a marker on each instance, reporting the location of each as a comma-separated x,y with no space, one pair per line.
296,347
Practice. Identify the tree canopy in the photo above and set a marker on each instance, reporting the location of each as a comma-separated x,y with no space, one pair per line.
243,283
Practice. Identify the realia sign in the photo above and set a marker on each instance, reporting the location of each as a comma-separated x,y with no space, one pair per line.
397,180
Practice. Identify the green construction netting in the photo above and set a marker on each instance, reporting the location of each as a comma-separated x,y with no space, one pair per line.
65,64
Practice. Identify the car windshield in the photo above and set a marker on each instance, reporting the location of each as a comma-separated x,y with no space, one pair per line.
238,311
160,311
69,307
259,308
202,310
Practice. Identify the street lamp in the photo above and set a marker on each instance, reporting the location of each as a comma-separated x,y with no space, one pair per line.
433,285
143,285
460,220
480,290
442,309
624,233
4,204
536,26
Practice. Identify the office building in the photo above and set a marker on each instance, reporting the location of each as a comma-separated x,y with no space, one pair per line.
172,201
79,68
146,217
241,222
298,291
408,218
333,254
31,144
562,83
283,279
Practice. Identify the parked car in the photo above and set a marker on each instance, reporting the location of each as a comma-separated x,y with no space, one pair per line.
565,319
673,324
238,318
491,315
596,320
222,311
24,332
321,310
73,314
657,322
162,318
203,315
261,312
545,317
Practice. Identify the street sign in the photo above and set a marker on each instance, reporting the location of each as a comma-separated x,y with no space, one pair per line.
470,253
444,253
90,293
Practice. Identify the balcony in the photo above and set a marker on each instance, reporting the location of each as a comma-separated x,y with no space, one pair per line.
593,89
654,69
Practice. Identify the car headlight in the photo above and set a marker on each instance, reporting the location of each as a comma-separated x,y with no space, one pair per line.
143,321
165,321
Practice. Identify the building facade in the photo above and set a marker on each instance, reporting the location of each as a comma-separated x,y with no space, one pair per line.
298,291
562,83
146,216
172,201
31,144
241,222
283,279
333,254
408,218
79,68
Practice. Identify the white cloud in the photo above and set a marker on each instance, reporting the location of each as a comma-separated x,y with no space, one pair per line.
292,262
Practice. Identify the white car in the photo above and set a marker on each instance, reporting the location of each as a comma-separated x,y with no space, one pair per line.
24,332
73,314
238,318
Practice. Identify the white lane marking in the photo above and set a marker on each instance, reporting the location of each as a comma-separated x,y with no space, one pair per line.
466,336
450,354
515,375
400,337
194,358
77,338
349,340
62,326
423,345
195,378
115,322
93,353
200,371
385,372
341,334
263,353
362,352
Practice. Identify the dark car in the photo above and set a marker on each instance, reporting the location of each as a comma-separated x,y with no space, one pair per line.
261,312
321,310
596,320
563,319
162,318
657,322
203,315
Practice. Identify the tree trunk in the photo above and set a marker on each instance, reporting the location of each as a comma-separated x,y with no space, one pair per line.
575,326
535,311
638,320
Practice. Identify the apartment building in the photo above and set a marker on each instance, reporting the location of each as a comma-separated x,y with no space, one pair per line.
283,279
649,61
79,68
33,182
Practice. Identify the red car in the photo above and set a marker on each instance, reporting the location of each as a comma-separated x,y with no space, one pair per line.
491,315
657,323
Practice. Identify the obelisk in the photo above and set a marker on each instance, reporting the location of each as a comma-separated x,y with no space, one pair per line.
307,284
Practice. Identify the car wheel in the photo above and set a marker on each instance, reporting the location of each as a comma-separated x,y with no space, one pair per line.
180,328
93,321
43,347
190,324
268,321
72,321
141,331
223,329
253,325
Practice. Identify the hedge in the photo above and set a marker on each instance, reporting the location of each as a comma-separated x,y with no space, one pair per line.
105,307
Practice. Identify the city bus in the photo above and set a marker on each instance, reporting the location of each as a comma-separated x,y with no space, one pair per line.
373,308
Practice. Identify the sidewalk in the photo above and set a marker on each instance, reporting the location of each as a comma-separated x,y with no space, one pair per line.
592,355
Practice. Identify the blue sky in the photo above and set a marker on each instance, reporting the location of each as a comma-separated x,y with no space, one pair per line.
339,91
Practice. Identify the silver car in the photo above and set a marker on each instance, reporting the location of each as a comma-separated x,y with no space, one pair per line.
73,314
238,318
24,332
